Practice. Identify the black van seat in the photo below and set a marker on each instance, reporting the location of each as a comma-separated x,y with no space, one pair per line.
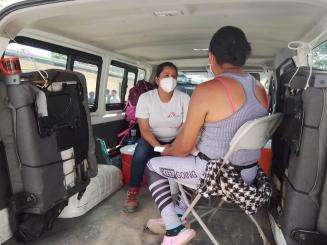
300,156
54,141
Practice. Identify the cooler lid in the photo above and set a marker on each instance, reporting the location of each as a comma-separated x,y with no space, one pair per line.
128,149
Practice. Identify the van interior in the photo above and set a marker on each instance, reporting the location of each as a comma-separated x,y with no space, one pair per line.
114,44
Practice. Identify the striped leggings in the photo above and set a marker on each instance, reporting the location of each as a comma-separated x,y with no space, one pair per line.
187,170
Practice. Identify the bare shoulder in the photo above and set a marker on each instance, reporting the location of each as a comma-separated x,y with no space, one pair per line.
208,87
202,94
208,83
215,90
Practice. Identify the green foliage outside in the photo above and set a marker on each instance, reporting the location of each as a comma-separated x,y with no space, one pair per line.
58,56
319,56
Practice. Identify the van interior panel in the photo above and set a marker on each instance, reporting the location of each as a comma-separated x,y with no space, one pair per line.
96,51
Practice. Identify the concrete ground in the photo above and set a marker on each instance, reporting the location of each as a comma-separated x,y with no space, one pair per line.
108,224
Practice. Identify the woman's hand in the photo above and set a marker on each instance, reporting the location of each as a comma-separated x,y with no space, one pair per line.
166,150
168,147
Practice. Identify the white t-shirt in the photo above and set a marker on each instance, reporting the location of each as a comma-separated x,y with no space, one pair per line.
165,119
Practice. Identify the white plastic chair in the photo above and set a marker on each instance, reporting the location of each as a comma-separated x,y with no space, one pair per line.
252,135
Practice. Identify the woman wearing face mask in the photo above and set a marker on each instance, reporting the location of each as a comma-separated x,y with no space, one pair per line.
160,113
218,108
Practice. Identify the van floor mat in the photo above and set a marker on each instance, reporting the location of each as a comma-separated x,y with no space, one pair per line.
107,223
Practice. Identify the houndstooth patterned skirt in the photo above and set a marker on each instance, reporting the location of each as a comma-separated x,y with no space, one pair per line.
225,181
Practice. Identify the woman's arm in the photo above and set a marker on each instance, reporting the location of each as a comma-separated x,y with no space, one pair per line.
146,133
186,139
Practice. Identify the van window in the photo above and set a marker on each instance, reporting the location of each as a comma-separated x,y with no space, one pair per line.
114,85
130,83
197,77
141,75
193,77
319,56
121,79
90,72
32,59
39,55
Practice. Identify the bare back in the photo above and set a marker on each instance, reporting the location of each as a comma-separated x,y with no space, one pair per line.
211,109
214,93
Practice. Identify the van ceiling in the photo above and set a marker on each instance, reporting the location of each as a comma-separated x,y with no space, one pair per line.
132,28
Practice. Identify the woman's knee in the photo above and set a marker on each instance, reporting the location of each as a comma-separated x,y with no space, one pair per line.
152,164
153,176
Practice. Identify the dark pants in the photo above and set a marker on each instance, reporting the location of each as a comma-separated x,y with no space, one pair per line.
143,153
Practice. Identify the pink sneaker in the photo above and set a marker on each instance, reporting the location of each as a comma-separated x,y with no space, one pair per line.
182,238
157,226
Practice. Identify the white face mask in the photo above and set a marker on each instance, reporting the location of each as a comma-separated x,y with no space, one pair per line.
168,84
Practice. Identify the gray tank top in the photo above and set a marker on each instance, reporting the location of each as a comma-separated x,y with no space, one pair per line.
216,136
